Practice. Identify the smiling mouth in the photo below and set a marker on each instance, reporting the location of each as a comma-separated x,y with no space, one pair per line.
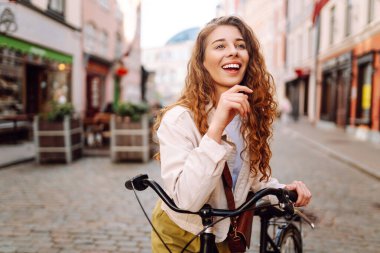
231,66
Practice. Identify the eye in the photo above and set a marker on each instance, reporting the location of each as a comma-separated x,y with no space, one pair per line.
241,46
220,46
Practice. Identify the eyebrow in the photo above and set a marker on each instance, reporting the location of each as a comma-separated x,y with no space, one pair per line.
222,40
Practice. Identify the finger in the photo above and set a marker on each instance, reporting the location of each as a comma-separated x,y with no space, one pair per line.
307,194
239,104
241,98
303,193
238,88
237,107
300,192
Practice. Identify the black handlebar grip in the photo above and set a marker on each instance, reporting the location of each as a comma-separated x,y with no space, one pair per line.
293,196
138,182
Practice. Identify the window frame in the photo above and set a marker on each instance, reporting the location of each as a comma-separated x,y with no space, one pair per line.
57,13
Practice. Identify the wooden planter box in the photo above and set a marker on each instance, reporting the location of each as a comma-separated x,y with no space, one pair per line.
129,140
57,141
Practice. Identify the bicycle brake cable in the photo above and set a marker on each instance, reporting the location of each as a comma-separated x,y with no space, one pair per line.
217,221
150,222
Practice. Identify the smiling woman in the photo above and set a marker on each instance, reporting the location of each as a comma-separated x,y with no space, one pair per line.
221,125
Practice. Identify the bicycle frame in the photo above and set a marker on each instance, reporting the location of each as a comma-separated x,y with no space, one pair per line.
207,238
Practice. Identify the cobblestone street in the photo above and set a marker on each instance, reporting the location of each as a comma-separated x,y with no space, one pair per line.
85,208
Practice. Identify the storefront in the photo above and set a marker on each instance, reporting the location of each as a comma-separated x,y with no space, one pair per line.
365,93
297,91
32,76
336,85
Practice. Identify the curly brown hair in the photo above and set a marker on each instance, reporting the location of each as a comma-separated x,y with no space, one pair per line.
199,91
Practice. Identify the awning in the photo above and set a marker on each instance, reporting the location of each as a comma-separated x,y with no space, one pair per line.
26,47
318,5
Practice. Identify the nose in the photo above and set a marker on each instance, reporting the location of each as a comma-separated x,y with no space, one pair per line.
232,51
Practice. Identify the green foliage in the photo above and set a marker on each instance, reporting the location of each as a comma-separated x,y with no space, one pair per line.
58,111
132,110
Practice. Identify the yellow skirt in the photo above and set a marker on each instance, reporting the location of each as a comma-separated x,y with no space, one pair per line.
175,237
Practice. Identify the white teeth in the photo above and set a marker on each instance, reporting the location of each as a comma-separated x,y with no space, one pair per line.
233,66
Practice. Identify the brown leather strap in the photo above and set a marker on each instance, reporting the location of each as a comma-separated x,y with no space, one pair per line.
227,182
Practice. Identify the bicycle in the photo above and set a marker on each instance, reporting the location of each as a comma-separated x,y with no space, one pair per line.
282,217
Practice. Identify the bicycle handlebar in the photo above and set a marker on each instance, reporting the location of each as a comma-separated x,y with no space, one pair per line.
141,182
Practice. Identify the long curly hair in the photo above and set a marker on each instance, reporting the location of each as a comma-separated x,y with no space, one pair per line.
199,91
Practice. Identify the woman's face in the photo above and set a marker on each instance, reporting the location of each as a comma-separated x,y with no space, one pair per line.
226,57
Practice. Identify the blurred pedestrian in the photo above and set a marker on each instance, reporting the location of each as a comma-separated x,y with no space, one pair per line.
221,122
285,109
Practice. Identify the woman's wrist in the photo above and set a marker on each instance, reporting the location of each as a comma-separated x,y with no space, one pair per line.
215,133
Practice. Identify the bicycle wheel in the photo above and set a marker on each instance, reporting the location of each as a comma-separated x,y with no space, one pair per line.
289,239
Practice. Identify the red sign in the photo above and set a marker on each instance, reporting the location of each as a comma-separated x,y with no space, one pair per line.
122,71
301,72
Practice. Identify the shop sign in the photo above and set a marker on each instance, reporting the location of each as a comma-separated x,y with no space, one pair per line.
29,48
7,21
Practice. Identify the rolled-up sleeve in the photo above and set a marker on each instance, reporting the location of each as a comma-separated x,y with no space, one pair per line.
190,166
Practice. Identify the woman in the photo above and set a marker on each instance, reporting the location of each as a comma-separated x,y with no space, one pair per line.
224,116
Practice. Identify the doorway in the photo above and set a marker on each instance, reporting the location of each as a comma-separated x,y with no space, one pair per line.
36,89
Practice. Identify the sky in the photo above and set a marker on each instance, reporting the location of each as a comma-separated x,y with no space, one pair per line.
162,19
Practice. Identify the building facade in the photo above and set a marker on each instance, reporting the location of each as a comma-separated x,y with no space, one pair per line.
40,55
331,51
168,64
267,20
133,85
348,91
103,49
300,55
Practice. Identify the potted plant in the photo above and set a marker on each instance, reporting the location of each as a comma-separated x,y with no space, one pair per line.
57,134
130,132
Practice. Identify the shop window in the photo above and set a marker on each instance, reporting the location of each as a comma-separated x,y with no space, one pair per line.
11,80
118,47
371,12
104,3
332,24
103,42
60,86
328,106
364,99
89,37
57,7
348,17
95,92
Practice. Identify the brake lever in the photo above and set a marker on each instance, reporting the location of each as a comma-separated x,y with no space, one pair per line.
303,216
288,208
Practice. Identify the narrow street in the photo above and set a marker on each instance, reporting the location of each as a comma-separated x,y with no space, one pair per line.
345,201
85,208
